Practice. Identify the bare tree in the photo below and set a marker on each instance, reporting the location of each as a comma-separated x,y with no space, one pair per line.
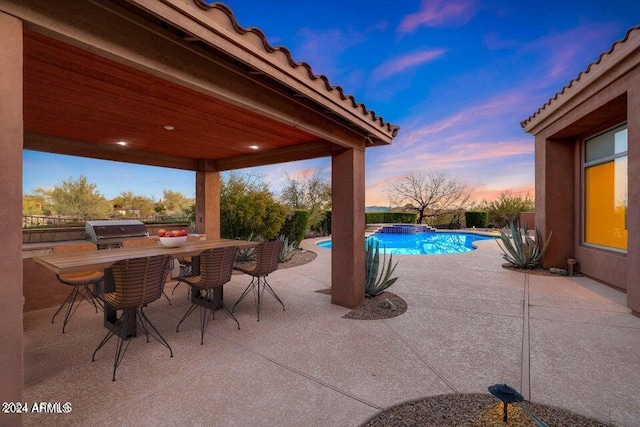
429,194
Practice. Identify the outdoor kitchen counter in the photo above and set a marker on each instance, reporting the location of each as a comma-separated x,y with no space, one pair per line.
99,260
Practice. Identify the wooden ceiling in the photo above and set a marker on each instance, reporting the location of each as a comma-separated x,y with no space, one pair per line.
74,95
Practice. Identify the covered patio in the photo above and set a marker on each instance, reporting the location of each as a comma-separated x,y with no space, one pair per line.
185,86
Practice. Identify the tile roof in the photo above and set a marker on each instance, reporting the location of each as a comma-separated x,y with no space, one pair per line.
603,61
347,100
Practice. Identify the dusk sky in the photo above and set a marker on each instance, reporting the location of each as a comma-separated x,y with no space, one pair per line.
457,76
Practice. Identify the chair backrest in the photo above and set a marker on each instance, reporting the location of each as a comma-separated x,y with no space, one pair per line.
216,266
139,242
267,254
138,281
75,247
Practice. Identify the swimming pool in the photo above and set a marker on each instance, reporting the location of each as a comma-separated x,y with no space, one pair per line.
423,243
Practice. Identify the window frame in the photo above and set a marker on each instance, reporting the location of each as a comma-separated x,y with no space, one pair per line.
584,165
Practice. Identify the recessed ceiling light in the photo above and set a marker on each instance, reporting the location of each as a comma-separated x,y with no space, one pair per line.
123,143
254,147
169,127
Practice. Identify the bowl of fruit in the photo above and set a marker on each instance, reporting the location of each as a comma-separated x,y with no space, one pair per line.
172,239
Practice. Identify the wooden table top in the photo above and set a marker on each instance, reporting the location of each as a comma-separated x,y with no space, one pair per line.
99,260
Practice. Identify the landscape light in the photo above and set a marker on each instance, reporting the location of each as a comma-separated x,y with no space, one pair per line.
506,394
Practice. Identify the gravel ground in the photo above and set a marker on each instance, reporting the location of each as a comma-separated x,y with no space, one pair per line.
477,410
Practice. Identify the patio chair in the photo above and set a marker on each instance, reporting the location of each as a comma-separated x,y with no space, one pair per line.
137,282
216,267
266,262
79,282
186,263
142,242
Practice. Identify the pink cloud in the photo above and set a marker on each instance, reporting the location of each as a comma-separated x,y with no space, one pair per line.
494,193
435,13
562,51
400,64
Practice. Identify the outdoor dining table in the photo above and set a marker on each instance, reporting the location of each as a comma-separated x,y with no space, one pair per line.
101,260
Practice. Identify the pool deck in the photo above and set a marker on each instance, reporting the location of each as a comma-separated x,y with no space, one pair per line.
568,342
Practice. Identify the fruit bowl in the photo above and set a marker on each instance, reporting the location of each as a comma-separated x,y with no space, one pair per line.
173,242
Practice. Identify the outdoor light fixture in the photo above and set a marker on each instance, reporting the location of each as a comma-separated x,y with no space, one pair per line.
254,147
507,395
169,127
122,143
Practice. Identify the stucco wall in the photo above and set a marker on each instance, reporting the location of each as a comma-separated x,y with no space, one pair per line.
559,183
11,137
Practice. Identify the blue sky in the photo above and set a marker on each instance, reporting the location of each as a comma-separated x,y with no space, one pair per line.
457,76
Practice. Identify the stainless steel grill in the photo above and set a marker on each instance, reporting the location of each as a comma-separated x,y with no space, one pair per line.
111,233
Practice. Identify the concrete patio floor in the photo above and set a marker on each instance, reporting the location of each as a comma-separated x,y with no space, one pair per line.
568,342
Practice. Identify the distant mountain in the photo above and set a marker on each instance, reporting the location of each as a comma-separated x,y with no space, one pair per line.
377,209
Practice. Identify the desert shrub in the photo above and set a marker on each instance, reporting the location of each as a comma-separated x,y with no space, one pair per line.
391,217
295,226
247,206
476,218
507,209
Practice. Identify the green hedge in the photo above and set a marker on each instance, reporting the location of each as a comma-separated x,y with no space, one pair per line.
476,218
390,217
295,226
324,227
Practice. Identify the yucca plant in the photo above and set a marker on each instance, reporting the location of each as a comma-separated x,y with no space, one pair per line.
520,250
287,249
375,283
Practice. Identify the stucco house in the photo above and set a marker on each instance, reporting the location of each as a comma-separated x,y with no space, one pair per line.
587,164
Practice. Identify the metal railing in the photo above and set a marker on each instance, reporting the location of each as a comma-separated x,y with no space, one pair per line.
43,221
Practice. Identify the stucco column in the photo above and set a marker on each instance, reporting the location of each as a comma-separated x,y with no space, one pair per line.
347,228
633,210
208,203
11,140
555,202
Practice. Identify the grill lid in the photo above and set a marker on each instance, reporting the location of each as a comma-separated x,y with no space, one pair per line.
114,229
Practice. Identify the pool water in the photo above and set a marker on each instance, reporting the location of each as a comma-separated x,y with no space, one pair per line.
423,243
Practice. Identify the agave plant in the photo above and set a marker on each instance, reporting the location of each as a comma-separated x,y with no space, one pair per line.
521,250
376,283
287,249
248,254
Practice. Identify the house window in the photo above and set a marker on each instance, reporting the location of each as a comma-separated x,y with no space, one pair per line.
606,189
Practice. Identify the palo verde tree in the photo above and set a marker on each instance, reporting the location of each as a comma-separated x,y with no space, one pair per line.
429,194
78,199
175,203
133,205
507,208
247,207
312,193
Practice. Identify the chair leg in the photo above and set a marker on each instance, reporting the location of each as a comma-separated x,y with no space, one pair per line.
174,288
258,285
153,331
90,295
207,313
219,300
193,307
272,292
204,321
70,302
165,295
120,347
248,289
143,322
